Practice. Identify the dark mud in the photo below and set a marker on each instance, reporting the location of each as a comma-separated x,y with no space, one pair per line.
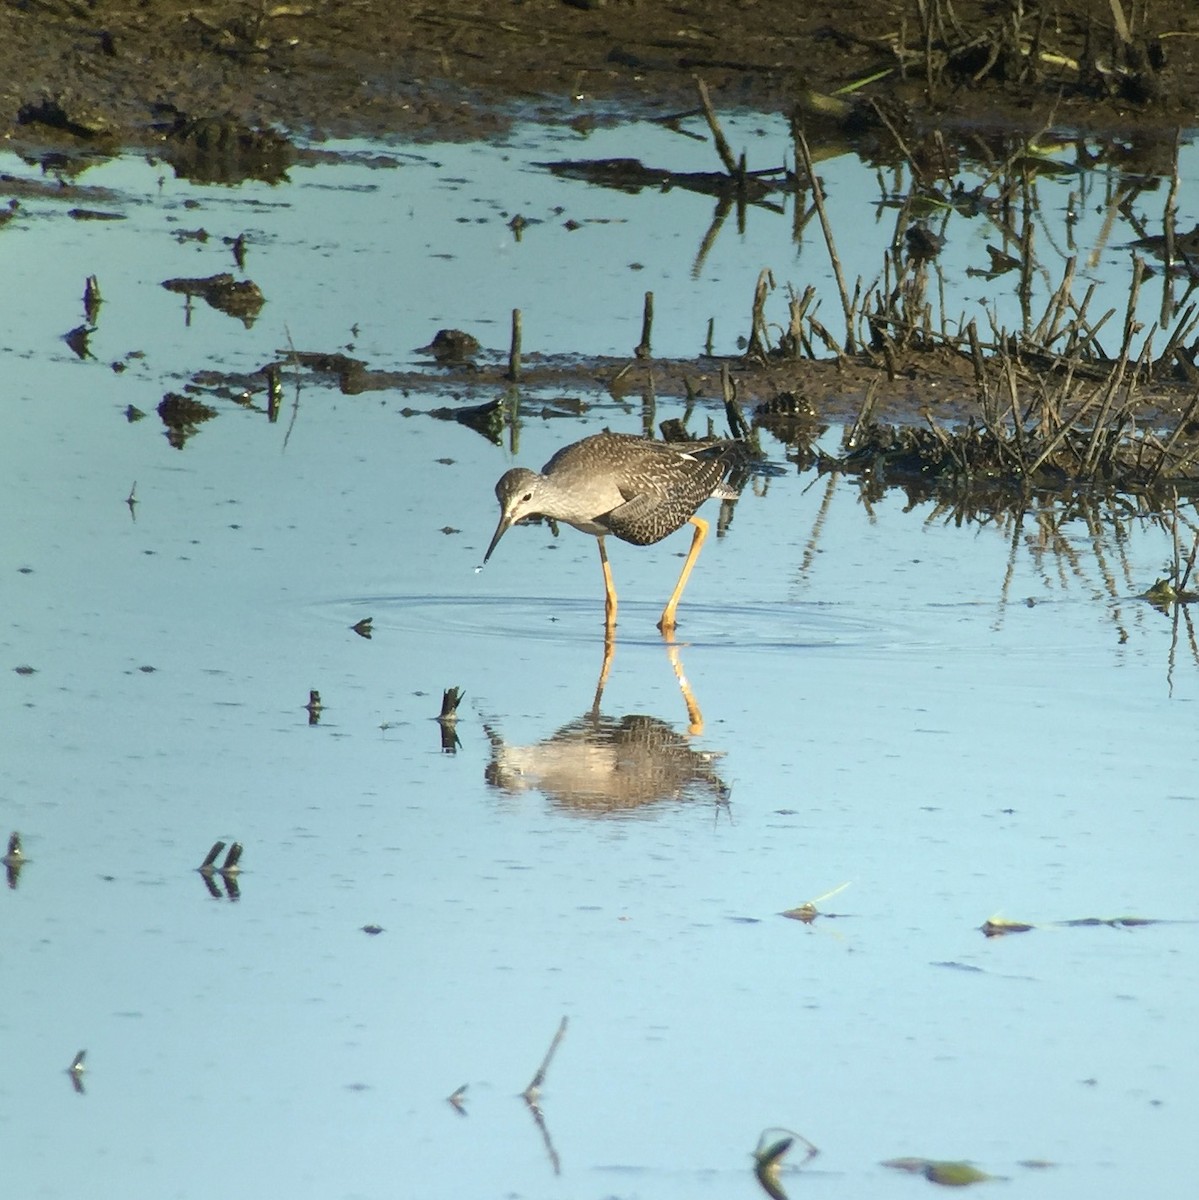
125,73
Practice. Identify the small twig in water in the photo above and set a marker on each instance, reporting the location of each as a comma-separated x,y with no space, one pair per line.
207,867
772,1147
450,699
76,1071
531,1094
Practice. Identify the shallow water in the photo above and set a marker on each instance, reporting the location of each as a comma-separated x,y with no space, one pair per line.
953,721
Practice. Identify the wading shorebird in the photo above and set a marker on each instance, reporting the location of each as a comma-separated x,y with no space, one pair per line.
631,487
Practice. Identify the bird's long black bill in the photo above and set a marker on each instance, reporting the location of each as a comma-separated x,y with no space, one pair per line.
500,530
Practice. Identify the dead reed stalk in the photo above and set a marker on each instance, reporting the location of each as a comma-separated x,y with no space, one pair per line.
818,199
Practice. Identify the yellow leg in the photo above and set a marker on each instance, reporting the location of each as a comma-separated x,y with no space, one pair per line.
667,623
609,591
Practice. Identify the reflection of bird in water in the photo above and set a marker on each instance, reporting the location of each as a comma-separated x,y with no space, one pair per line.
597,766
634,488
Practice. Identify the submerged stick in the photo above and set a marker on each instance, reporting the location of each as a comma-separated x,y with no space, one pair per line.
533,1091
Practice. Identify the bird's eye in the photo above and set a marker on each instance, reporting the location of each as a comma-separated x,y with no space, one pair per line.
526,497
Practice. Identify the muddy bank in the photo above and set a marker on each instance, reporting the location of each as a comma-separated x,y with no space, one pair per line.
123,74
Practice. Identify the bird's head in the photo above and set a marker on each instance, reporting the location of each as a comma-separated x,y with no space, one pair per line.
517,494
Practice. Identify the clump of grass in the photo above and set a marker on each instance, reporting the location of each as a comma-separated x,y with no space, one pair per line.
1032,45
1056,408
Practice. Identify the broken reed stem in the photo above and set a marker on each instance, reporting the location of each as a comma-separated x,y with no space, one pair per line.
642,349
818,199
92,298
1121,23
728,392
1174,539
1027,262
274,391
1009,368
725,151
948,445
1091,331
947,169
1065,428
1047,328
943,333
827,338
1184,579
514,351
1168,229
976,357
913,166
530,1094
739,427
850,440
1090,459
1168,449
450,699
927,30
759,334
1186,323
799,306
1005,168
